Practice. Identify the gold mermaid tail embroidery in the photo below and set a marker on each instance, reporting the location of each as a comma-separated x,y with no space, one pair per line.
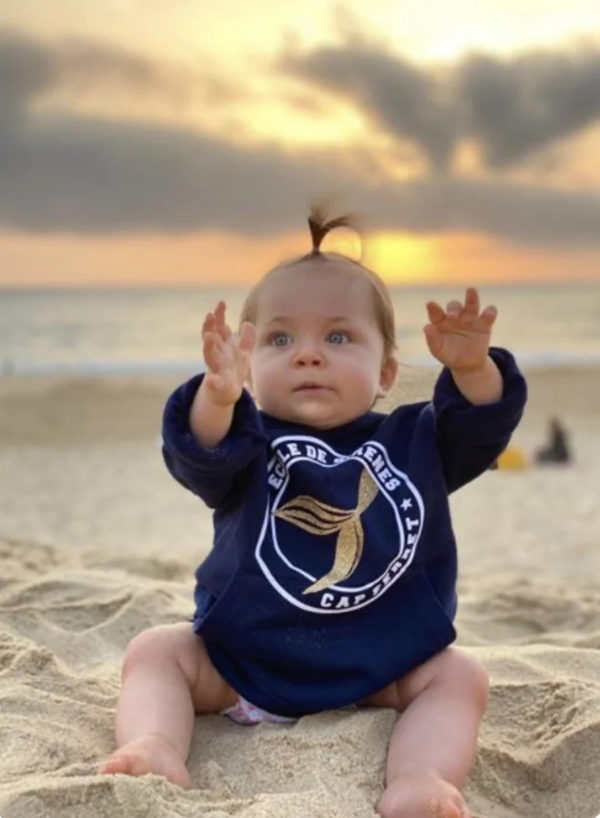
321,519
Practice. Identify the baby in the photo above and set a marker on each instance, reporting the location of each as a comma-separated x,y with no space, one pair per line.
332,576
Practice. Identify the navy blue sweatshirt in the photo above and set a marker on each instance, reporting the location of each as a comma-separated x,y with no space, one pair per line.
333,567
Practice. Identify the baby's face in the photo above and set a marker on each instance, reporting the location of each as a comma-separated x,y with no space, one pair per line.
318,358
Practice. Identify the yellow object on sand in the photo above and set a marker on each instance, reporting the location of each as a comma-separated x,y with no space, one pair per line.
512,459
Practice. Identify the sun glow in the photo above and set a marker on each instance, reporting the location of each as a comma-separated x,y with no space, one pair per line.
402,258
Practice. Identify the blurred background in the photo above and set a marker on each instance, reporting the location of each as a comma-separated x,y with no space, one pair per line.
156,156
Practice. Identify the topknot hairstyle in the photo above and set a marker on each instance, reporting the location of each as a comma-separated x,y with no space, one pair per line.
320,226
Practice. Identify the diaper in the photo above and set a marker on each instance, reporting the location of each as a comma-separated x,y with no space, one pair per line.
244,712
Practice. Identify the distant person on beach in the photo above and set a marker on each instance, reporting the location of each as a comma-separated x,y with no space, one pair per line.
557,449
332,577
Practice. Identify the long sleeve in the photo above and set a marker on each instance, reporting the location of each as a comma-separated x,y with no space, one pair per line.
209,473
471,437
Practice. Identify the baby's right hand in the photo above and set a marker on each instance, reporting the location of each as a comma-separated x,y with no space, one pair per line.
227,357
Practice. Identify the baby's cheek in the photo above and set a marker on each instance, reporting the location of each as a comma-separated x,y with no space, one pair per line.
267,387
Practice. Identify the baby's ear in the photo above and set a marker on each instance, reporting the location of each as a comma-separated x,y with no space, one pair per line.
389,370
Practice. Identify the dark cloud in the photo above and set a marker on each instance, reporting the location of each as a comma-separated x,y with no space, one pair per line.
96,176
29,69
522,213
511,106
517,106
406,100
25,71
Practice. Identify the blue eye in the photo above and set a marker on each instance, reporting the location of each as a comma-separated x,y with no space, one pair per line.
338,337
280,339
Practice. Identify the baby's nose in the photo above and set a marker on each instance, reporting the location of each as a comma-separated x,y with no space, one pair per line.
308,355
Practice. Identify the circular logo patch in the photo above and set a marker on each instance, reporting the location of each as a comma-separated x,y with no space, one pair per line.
340,529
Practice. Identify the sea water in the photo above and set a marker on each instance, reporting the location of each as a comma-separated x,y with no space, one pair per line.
157,330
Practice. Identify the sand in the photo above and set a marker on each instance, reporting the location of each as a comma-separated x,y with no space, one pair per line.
98,542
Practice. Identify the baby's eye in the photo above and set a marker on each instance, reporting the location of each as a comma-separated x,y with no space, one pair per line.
338,337
280,339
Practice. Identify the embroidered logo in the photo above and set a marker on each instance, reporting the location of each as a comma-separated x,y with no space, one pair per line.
319,518
344,548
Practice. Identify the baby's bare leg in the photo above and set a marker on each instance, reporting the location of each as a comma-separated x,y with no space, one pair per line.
432,748
167,677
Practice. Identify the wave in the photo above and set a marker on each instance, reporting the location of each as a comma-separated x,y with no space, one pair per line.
547,358
528,360
92,368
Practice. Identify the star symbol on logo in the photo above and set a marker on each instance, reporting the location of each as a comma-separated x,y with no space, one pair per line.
406,504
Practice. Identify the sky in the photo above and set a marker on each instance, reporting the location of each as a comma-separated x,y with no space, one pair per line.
178,142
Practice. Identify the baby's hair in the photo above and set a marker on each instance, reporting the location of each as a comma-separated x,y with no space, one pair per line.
319,228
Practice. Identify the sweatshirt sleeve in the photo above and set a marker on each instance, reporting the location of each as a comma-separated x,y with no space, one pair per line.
470,438
209,473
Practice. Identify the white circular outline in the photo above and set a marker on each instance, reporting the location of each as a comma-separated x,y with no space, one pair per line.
268,515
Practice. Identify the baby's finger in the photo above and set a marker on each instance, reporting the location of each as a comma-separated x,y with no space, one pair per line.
211,351
435,313
454,307
472,301
221,324
247,337
209,323
489,315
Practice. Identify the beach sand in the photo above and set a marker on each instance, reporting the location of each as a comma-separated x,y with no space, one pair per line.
98,542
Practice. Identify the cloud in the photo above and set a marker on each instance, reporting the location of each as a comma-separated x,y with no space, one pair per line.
68,172
522,213
92,176
511,106
30,69
25,71
516,106
406,101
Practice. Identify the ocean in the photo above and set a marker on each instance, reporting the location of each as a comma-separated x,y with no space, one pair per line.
83,332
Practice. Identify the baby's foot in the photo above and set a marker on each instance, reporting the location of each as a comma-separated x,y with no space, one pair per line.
151,754
419,793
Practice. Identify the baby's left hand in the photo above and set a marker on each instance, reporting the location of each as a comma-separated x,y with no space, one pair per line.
459,336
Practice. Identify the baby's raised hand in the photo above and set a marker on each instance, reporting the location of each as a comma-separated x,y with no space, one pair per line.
459,336
227,356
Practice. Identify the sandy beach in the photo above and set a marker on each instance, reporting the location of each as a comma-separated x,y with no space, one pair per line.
98,542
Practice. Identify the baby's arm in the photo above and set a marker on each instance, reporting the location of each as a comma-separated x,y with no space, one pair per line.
480,386
227,360
459,337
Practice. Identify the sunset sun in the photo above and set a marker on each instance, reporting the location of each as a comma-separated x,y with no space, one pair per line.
402,258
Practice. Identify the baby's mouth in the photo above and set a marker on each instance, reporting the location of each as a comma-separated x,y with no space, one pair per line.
311,387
